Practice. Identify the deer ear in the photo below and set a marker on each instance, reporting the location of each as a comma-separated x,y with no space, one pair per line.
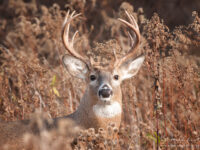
131,67
75,67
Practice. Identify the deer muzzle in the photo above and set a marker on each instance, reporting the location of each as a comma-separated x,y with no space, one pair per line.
105,93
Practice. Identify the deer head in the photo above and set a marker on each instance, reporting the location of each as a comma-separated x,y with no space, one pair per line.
103,84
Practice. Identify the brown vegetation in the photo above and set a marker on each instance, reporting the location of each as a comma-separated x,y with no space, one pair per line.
160,105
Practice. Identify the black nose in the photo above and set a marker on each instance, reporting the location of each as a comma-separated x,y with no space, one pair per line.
105,92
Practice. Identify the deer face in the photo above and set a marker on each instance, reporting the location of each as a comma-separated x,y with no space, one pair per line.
103,83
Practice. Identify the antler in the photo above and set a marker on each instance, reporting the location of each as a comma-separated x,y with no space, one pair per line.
134,44
69,44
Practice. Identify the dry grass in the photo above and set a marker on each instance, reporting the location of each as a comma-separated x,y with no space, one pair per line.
161,105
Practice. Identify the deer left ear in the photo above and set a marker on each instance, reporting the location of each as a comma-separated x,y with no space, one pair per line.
131,67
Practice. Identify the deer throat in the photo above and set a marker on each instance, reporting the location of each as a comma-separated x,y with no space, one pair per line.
107,110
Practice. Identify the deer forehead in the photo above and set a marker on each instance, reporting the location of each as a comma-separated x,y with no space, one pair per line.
104,72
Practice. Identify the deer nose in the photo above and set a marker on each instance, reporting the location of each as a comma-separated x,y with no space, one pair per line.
105,92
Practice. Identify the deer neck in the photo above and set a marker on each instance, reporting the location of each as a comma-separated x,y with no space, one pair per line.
91,113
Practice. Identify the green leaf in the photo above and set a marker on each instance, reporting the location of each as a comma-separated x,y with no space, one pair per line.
153,137
157,137
53,82
55,91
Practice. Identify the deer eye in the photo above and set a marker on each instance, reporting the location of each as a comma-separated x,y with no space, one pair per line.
92,77
116,77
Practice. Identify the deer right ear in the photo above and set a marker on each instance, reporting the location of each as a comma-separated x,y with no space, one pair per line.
75,67
131,67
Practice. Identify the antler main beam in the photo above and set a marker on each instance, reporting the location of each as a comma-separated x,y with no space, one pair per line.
69,44
134,44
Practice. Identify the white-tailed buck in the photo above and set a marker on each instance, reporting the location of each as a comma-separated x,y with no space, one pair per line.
102,100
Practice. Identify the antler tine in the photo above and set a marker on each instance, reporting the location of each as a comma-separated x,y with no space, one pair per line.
69,44
134,26
131,38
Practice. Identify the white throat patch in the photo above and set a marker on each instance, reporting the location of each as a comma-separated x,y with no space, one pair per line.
107,111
